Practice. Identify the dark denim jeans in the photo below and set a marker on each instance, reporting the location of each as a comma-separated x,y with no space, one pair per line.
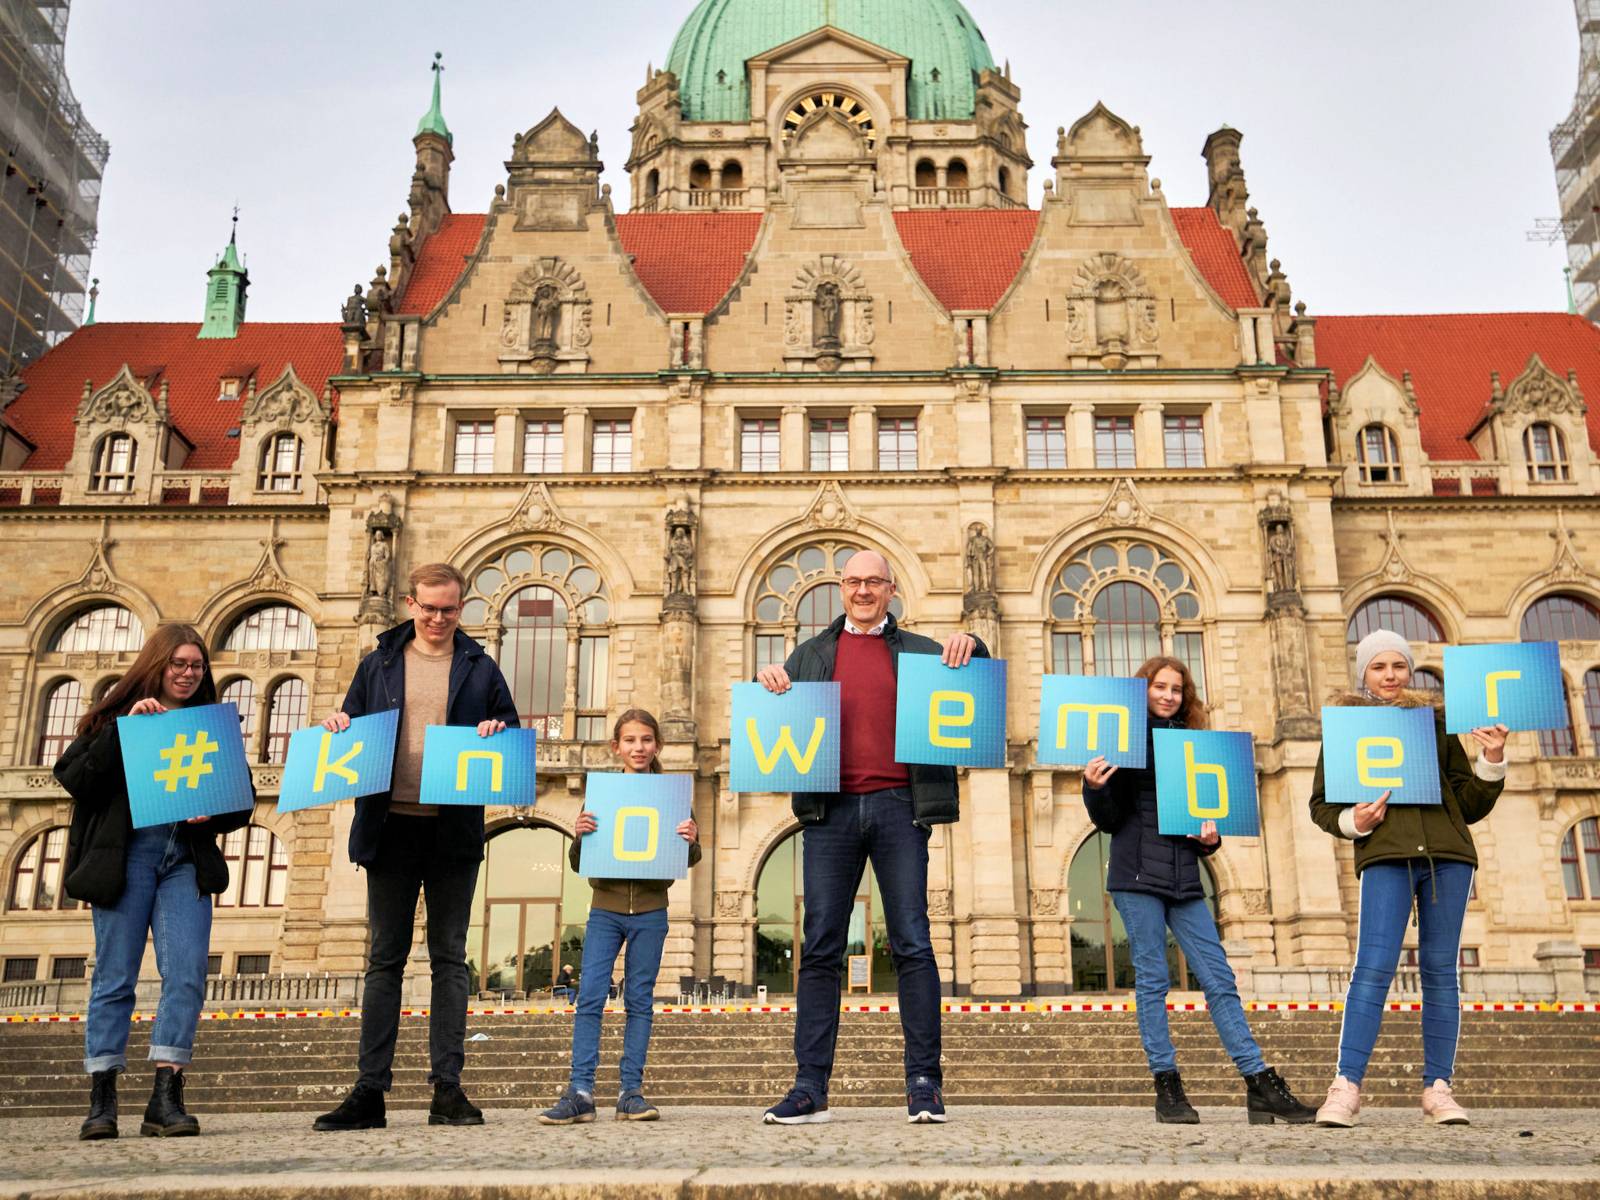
406,864
605,936
833,854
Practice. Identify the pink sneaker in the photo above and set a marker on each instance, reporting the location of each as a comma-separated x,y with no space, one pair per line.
1343,1106
1439,1106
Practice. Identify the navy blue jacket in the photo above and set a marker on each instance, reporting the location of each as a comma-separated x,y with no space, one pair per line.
478,692
1143,859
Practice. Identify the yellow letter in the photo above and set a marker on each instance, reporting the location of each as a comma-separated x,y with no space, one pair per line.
1491,682
1366,763
785,745
1192,769
1094,712
337,767
938,720
464,762
653,818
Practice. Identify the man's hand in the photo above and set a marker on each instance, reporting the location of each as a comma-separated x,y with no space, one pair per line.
688,830
337,723
774,678
958,648
490,728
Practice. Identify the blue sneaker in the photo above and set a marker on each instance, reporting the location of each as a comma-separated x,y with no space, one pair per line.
632,1106
797,1108
574,1108
924,1102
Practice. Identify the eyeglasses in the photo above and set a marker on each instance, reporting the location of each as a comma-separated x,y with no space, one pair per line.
182,666
871,583
431,612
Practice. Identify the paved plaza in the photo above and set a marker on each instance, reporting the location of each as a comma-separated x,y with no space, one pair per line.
984,1153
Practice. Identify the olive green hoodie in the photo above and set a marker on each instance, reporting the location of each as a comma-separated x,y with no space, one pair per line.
1468,792
629,895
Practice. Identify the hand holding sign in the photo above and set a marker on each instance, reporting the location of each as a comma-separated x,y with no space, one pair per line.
1516,685
184,763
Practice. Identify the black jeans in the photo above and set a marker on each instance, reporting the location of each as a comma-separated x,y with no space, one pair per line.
833,855
406,864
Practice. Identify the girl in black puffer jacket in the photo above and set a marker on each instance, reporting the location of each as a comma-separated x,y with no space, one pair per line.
1154,880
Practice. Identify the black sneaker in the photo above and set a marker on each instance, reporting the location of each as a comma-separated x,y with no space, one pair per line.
1172,1106
797,1108
361,1109
573,1108
924,1102
632,1106
451,1106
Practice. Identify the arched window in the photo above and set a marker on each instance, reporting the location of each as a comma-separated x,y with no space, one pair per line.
1004,181
542,611
107,628
1591,705
1561,618
241,693
1425,679
36,879
258,869
528,912
1580,860
732,175
1378,455
1398,614
955,174
780,921
699,176
288,706
1116,604
799,597
272,627
282,458
652,184
1546,451
63,705
114,460
927,175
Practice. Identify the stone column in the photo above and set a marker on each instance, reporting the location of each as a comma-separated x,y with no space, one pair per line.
507,453
1148,442
792,439
996,933
1564,961
863,438
1080,428
575,440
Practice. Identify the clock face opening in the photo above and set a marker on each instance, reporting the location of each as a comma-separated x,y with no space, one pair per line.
846,106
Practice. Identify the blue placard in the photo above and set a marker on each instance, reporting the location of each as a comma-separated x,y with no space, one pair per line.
459,767
186,762
950,716
324,767
1081,716
1206,775
1515,684
1371,749
637,819
787,743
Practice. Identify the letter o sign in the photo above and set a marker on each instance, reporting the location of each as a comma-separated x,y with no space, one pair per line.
652,819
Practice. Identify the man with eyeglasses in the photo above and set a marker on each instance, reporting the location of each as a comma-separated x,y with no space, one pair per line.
435,675
884,812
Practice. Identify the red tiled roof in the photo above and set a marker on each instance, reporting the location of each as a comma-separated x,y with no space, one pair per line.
1216,255
192,368
440,262
1450,357
688,261
967,258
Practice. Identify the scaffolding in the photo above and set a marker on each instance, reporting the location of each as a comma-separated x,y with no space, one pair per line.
50,194
1575,150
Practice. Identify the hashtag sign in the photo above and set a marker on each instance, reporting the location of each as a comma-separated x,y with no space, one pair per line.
185,762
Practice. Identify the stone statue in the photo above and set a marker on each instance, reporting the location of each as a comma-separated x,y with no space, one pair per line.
354,312
380,566
1281,567
377,584
826,318
546,315
680,562
980,560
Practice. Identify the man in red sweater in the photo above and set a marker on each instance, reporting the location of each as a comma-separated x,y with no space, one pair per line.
883,812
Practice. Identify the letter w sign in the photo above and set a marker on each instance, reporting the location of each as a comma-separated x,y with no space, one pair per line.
787,743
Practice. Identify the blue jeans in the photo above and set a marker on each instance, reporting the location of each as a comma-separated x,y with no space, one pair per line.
833,855
603,939
160,896
1388,890
1147,919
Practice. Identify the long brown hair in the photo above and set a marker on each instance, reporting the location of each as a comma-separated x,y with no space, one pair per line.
1191,713
143,679
648,720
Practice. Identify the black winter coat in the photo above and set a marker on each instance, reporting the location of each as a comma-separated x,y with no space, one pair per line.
1143,859
478,692
102,824
934,800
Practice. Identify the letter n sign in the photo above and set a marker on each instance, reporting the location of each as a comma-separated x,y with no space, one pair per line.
1206,775
1371,749
459,767
324,767
787,743
950,716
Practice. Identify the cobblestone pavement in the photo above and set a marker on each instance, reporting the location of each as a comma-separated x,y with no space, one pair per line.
983,1152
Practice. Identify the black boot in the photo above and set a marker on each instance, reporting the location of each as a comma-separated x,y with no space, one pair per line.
451,1106
164,1115
1268,1098
1172,1106
361,1109
102,1119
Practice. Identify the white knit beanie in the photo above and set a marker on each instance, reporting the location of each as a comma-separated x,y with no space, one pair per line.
1378,642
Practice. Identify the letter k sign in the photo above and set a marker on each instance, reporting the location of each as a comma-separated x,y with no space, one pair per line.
338,767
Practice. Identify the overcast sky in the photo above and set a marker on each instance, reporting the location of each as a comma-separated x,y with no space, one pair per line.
1397,149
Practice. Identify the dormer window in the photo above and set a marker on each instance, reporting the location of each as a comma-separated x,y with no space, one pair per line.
1378,455
1546,452
114,460
14,449
229,388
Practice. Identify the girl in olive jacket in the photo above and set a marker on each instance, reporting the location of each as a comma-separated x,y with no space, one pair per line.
1415,856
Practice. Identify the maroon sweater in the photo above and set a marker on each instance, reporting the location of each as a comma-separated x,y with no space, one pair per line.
865,674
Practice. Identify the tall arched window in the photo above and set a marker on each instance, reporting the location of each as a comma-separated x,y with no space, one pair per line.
288,707
1561,618
1004,182
1398,614
926,175
63,705
528,912
36,878
544,612
272,627
282,459
1115,604
114,460
258,869
1580,860
1591,705
732,176
241,693
1546,452
1378,455
107,628
699,175
799,597
652,184
956,174
780,921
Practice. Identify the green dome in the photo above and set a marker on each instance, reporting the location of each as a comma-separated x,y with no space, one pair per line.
944,44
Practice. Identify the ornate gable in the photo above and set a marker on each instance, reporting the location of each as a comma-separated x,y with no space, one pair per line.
122,403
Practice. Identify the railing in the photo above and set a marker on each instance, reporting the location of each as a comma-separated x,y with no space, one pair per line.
17,488
945,197
717,197
649,204
1466,479
191,487
221,992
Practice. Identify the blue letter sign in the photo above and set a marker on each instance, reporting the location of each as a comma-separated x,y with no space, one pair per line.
459,767
950,716
1371,749
185,762
1206,775
787,743
1515,684
637,818
324,767
1081,716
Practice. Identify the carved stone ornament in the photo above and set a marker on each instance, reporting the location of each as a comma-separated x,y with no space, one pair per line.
1278,543
98,577
830,510
269,575
1394,566
1046,902
285,402
730,905
1253,901
1112,317
940,903
827,319
378,569
679,585
536,510
1539,391
1565,568
546,321
121,403
1123,506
